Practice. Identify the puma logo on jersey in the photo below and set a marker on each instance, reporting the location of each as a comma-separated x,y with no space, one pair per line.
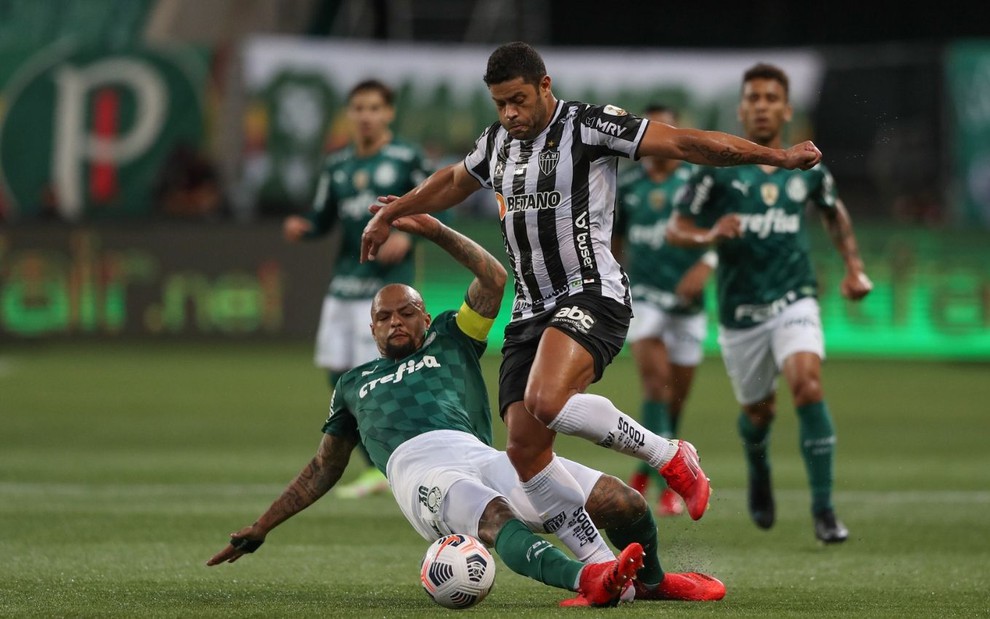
428,361
741,186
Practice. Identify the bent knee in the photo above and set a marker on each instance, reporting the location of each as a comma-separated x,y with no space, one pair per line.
544,404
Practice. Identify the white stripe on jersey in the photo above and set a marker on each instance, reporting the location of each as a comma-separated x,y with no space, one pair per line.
556,198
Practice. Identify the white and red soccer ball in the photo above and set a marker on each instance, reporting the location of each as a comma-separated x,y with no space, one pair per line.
457,571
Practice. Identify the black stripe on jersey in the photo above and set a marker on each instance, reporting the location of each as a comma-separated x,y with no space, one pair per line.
482,170
547,218
520,228
581,216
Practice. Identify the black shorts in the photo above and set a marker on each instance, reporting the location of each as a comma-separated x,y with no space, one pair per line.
597,323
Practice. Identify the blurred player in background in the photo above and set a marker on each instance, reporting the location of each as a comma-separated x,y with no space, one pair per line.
422,410
553,166
375,163
767,292
669,322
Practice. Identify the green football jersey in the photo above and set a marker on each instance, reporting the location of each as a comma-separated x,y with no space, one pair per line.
348,185
654,267
439,387
769,266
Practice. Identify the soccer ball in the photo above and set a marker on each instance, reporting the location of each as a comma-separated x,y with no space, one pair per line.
457,571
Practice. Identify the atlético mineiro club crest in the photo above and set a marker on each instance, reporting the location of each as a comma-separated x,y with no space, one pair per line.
548,161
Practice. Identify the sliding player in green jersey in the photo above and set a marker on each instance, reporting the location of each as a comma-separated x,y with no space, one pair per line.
669,323
375,163
767,293
422,411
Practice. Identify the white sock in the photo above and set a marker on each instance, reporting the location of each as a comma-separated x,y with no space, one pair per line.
595,418
558,498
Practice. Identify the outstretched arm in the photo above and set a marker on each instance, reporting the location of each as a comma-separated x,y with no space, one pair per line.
322,472
484,294
716,148
855,285
447,187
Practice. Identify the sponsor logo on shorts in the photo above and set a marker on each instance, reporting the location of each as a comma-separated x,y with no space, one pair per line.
553,525
578,319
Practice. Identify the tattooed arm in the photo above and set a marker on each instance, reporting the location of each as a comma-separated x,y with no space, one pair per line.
855,285
716,148
484,294
322,472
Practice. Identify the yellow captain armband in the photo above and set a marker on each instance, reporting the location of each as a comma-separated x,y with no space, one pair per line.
473,324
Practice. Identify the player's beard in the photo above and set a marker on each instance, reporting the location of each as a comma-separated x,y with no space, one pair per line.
400,350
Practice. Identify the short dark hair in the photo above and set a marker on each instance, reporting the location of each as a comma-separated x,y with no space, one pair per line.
512,60
376,86
659,108
765,71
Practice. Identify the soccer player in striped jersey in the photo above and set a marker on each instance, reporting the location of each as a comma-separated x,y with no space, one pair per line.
422,411
374,163
767,293
669,323
553,167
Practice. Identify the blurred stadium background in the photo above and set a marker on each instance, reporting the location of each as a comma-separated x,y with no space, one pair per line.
155,330
149,148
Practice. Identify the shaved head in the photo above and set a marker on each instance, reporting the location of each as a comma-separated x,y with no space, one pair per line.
398,321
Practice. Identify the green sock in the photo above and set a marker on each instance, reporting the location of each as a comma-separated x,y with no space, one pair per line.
817,436
755,442
528,554
644,531
656,419
675,424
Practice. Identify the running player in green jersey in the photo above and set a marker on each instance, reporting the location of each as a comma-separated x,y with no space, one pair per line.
375,163
422,410
767,293
669,322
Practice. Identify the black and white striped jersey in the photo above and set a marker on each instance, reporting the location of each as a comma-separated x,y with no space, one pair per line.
556,200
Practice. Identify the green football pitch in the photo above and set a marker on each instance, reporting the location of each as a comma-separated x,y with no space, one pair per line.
123,468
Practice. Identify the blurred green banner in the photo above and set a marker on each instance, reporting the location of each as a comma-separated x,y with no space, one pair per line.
931,300
931,297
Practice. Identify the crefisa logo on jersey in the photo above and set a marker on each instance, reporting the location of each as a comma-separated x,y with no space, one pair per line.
548,161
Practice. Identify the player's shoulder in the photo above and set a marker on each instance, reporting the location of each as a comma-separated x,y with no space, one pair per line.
338,157
591,114
685,170
444,322
819,170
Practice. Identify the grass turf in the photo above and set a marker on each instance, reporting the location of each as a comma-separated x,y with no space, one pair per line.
123,467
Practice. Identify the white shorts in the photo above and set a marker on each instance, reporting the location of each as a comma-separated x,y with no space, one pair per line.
344,339
443,481
753,357
682,334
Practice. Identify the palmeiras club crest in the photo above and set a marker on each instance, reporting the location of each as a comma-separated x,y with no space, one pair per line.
548,161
